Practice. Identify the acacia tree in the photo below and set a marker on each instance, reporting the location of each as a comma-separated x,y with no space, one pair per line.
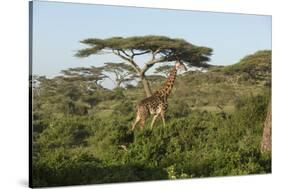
161,49
123,72
92,75
165,69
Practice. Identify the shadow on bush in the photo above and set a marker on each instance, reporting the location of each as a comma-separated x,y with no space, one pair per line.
92,172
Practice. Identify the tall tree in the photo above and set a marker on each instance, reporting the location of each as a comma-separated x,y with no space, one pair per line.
91,75
160,49
123,73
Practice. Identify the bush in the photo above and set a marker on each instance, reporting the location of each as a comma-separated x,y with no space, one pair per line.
178,108
84,150
125,107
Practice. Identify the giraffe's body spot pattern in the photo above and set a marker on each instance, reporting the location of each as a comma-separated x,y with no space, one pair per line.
154,104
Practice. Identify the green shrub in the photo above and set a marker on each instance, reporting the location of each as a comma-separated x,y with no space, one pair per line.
83,136
178,108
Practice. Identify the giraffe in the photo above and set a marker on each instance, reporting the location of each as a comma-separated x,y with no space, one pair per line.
157,103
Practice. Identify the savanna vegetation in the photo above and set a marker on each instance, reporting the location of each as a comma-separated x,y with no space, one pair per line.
214,124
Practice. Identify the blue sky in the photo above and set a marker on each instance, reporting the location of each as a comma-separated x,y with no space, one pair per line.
58,28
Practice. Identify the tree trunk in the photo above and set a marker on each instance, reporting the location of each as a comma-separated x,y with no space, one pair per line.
266,138
118,84
146,86
97,85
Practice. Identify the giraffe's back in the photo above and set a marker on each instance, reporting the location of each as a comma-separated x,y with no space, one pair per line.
153,104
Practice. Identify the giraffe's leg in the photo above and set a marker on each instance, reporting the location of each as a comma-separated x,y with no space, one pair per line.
163,118
142,123
153,120
136,122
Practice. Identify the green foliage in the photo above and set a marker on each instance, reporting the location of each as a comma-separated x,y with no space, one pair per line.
82,135
84,150
173,49
118,94
178,108
125,108
255,67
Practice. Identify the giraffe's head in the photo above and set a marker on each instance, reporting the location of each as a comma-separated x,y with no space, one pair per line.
180,66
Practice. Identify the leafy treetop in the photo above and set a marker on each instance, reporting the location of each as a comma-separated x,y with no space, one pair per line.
162,48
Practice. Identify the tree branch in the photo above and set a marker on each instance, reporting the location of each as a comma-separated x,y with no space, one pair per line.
141,53
117,52
153,61
127,74
157,51
130,61
126,54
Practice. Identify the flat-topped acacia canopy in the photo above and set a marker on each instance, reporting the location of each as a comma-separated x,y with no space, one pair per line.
162,49
170,49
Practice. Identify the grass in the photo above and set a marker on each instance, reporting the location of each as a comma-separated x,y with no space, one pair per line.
216,109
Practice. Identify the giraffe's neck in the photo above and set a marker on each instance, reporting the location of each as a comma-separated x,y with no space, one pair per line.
166,89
